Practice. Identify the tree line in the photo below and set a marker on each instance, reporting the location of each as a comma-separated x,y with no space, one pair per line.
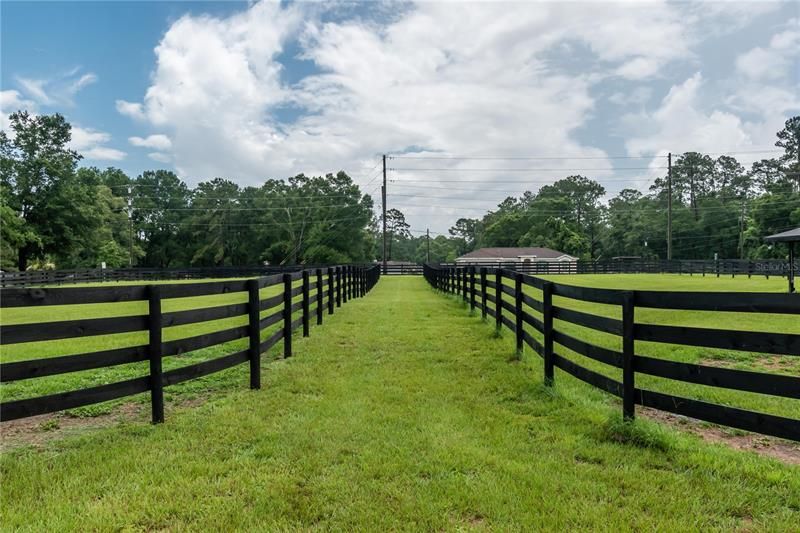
57,214
719,207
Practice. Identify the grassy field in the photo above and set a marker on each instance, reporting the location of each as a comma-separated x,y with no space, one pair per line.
776,364
401,412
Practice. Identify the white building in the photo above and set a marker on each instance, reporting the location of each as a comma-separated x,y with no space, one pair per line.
492,256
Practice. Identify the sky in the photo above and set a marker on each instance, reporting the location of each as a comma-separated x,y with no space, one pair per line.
530,91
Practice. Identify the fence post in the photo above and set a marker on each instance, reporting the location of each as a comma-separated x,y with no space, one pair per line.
319,296
472,288
287,315
518,311
547,322
331,278
498,303
156,376
306,300
628,384
338,286
483,293
348,282
345,284
254,313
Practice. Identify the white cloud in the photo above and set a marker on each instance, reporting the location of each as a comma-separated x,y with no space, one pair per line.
130,109
158,141
90,144
57,90
10,102
684,122
474,79
778,60
160,157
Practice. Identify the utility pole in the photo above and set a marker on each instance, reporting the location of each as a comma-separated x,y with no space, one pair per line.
741,229
130,230
383,195
428,237
669,206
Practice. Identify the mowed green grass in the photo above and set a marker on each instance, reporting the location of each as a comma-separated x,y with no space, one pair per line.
788,364
78,380
401,412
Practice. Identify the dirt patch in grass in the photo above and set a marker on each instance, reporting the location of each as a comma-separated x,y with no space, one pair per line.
780,449
38,430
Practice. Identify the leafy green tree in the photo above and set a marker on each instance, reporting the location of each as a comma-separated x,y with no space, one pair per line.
41,187
160,213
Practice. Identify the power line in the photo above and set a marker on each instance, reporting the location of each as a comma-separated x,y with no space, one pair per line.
533,169
525,158
450,157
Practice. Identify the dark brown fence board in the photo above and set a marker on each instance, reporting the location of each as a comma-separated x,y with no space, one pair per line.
72,399
271,341
71,296
197,370
777,426
533,321
588,294
190,344
599,323
272,301
269,281
209,288
50,366
532,303
747,302
589,376
83,327
191,316
728,378
750,341
592,351
532,342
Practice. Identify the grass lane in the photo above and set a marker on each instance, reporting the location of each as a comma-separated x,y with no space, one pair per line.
400,412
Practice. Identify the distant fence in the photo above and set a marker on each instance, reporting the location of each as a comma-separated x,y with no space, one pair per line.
31,278
483,288
323,288
403,269
726,267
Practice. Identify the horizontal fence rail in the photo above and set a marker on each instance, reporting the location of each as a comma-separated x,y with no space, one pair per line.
324,288
726,267
500,293
30,278
403,269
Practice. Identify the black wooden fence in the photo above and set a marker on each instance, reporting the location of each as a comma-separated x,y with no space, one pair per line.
726,267
322,288
31,278
483,288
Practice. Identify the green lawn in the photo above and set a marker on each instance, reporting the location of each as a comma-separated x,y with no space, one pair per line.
400,412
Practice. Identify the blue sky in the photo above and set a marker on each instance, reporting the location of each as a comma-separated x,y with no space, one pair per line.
249,91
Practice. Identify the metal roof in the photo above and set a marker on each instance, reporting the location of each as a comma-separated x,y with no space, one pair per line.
512,253
793,235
